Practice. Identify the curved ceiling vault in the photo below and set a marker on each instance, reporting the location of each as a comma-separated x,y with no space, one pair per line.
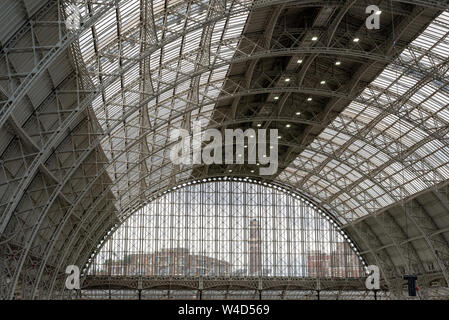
85,118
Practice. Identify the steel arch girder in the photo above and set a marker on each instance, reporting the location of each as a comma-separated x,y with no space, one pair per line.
137,182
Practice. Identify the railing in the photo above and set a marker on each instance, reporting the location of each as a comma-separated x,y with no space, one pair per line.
221,283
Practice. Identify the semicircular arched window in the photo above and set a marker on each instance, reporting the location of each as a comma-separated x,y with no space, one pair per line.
228,228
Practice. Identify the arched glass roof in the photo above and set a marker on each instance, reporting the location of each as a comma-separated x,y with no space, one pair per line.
387,145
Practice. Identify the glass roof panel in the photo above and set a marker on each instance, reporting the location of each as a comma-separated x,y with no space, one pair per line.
115,42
